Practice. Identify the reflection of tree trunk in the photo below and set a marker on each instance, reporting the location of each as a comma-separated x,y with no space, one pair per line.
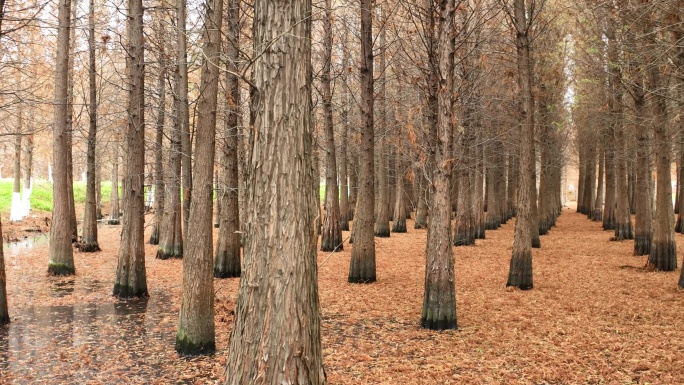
131,279
89,242
276,338
362,265
227,261
61,260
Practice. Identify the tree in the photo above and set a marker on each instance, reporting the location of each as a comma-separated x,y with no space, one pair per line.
331,236
15,211
382,215
227,261
362,265
89,242
61,258
131,279
114,211
520,271
4,312
196,320
276,337
439,298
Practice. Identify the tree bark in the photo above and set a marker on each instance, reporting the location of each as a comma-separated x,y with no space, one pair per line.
4,311
114,209
184,111
382,228
331,233
61,259
159,144
15,209
439,299
520,271
464,231
89,242
195,333
131,280
227,262
362,265
276,338
70,124
596,215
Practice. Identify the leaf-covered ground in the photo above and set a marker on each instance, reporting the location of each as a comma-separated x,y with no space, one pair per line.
594,317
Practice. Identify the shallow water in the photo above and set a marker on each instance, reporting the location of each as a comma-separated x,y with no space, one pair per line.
126,340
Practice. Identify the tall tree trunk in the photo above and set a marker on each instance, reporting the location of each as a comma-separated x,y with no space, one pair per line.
609,206
159,145
61,257
439,299
28,176
362,265
494,176
170,233
589,199
534,208
98,190
227,261
196,319
70,125
479,197
399,222
184,110
4,311
598,203
131,279
276,338
15,209
464,231
342,161
382,228
520,271
512,182
89,241
663,255
331,236
114,209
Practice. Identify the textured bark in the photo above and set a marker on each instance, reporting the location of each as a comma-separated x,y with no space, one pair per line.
89,242
479,184
362,265
61,259
276,337
421,207
534,209
27,174
439,299
70,123
4,311
170,233
195,333
596,215
520,271
382,218
331,233
495,195
399,222
15,213
512,183
114,209
343,174
184,110
609,206
663,255
227,261
131,280
158,146
464,231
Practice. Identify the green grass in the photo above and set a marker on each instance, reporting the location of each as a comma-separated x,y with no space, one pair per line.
41,196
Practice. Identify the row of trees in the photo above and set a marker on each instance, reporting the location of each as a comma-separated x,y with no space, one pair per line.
631,59
467,125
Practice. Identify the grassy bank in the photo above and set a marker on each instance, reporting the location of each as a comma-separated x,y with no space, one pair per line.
41,196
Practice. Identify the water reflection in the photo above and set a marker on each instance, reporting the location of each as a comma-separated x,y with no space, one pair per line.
13,249
128,341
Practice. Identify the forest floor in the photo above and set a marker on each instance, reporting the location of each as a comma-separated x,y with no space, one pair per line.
595,316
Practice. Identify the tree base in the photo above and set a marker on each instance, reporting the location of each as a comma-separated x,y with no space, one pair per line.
464,241
608,224
125,291
226,274
328,247
679,226
88,247
597,215
114,222
382,230
186,347
169,254
438,324
60,269
663,256
4,319
154,237
344,225
536,242
419,225
642,244
520,271
355,279
399,226
624,230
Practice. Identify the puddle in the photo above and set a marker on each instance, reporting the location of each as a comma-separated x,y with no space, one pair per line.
13,249
128,340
